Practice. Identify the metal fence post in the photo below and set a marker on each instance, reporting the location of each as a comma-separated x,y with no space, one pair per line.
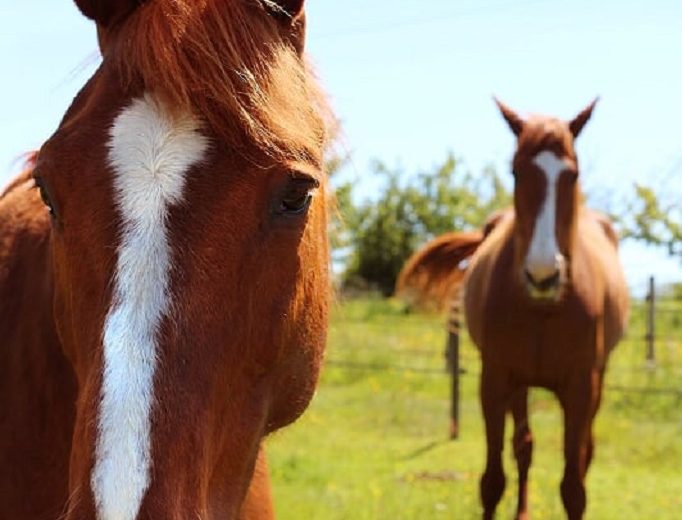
452,358
650,322
453,366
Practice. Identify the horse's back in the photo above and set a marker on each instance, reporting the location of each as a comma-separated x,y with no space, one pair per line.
23,236
24,231
21,216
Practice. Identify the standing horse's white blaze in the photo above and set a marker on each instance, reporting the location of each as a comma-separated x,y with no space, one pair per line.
150,153
544,258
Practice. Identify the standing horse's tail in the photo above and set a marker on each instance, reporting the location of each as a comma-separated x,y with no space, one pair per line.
432,275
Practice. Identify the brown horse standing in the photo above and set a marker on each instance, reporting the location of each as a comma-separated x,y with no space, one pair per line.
164,307
545,302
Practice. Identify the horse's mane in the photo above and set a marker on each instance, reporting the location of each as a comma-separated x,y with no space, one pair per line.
229,62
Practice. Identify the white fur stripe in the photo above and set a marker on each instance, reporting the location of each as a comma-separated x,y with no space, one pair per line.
543,258
150,154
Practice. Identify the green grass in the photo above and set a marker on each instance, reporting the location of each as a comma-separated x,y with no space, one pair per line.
373,444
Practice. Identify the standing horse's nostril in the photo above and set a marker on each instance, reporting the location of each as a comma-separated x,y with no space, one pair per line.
545,283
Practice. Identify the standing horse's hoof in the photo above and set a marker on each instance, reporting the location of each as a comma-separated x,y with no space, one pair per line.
454,429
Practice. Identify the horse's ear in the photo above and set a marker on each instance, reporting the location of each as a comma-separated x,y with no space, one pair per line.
514,120
579,121
107,12
287,8
291,16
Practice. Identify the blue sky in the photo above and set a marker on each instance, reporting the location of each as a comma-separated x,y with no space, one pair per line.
413,79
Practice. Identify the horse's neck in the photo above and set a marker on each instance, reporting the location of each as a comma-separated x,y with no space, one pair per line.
37,386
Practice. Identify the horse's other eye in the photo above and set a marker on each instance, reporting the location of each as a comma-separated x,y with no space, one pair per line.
297,196
44,195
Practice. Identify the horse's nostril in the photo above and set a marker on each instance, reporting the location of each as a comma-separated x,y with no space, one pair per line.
546,283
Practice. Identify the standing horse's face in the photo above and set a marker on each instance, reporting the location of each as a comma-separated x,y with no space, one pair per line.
190,296
546,194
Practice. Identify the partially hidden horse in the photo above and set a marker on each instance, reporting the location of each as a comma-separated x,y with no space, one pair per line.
164,306
545,302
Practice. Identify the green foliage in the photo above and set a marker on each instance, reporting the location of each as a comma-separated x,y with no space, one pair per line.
673,292
648,219
384,231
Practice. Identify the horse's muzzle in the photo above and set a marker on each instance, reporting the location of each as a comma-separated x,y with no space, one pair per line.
548,288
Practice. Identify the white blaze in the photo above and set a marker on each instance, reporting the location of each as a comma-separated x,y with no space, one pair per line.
544,258
149,153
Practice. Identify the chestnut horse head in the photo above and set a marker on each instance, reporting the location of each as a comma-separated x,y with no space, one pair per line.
546,196
187,251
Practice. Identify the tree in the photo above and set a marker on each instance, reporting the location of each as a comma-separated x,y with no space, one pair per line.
385,231
648,219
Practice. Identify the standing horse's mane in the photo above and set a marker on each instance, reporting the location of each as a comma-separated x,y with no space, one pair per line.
231,63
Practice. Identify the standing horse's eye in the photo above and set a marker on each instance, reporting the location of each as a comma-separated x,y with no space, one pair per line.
44,195
297,196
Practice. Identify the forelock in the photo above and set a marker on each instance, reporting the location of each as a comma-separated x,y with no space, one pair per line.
545,133
227,62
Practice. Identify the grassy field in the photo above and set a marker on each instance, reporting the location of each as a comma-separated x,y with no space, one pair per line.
374,445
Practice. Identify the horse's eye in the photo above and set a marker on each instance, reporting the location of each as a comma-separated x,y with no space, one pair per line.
297,196
44,195
296,205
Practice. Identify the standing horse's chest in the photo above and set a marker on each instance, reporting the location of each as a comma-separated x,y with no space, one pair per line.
538,344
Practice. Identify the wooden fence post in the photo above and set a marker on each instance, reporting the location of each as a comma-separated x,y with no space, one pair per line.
650,322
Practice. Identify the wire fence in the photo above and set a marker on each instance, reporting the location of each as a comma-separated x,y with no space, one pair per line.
644,371
636,339
648,360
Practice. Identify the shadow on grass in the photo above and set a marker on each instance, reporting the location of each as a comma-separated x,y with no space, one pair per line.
424,449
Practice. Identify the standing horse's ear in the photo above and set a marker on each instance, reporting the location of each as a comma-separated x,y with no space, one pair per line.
579,121
514,120
107,12
291,16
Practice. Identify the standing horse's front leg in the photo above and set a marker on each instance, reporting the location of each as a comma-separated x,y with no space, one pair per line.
579,401
494,393
522,445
